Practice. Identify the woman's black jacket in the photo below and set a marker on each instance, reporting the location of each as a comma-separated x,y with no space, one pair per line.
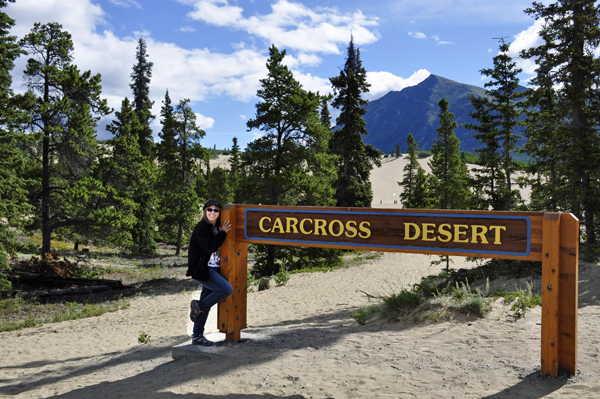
202,244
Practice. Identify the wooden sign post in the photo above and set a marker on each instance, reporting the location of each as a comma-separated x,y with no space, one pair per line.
551,238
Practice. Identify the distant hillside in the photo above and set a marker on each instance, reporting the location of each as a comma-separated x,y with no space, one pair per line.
415,110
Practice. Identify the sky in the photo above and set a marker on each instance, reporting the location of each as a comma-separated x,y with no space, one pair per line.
213,52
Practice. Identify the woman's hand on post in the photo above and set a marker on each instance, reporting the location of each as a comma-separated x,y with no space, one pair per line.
226,226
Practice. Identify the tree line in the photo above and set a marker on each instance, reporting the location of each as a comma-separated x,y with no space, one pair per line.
130,192
560,115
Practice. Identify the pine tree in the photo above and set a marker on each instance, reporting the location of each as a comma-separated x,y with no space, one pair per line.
277,163
63,124
570,31
13,196
356,160
415,186
450,190
126,170
143,232
140,85
498,115
235,170
179,153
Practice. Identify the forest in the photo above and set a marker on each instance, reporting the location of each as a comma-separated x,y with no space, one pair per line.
131,193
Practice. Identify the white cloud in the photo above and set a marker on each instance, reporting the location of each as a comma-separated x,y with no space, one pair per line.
187,29
291,25
126,3
204,122
417,35
383,82
524,40
441,43
243,117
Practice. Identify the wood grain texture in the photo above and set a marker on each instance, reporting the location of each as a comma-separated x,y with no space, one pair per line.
550,295
568,304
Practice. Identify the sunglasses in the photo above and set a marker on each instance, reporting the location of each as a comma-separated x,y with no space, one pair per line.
213,210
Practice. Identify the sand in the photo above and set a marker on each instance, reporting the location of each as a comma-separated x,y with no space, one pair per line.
313,349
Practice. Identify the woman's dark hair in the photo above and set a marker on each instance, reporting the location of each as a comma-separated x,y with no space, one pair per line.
205,218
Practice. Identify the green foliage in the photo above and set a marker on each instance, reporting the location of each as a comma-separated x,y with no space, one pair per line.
67,192
449,186
181,156
355,159
13,195
497,115
143,338
523,300
562,125
415,193
282,277
18,313
364,314
289,164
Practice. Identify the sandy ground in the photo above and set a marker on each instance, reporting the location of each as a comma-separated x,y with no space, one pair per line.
314,350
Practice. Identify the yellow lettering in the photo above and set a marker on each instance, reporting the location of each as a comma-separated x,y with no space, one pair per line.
291,223
444,230
407,227
497,230
302,226
320,226
340,228
458,232
260,224
277,225
478,232
427,229
362,228
350,228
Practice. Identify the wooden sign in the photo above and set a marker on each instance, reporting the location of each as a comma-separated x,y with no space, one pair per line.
442,232
551,238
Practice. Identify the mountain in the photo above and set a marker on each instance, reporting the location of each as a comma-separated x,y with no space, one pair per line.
415,110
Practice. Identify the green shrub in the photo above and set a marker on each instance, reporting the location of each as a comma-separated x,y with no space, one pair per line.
143,338
282,277
364,314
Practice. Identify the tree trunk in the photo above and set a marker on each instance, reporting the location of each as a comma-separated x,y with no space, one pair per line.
179,237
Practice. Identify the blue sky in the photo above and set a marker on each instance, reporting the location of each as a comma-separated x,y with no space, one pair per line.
214,51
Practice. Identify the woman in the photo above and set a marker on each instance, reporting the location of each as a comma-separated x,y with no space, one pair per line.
204,257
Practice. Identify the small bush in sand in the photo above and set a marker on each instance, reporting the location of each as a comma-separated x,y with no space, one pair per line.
523,300
144,338
365,314
282,277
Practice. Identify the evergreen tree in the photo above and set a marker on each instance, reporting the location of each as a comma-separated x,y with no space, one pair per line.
179,153
450,189
63,126
325,114
143,232
13,200
140,85
126,170
235,170
356,160
415,187
278,162
570,31
498,115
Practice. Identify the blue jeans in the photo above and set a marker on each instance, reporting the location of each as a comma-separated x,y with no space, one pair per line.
213,292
